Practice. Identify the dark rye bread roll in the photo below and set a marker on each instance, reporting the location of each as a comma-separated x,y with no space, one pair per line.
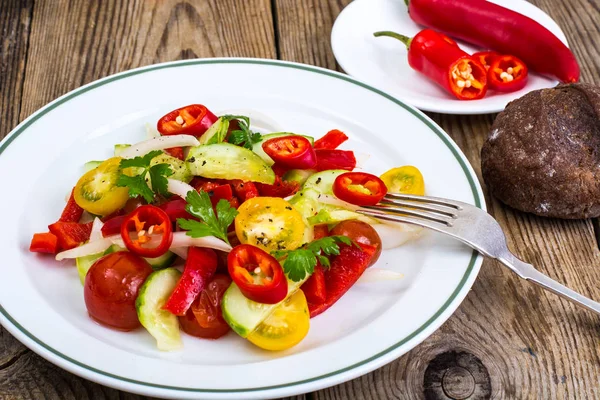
543,153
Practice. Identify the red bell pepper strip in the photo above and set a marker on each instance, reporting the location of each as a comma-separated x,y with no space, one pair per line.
258,274
507,74
70,234
447,65
491,26
176,209
149,224
486,58
291,151
335,159
176,152
314,288
113,226
359,188
72,212
244,190
44,243
194,120
220,192
331,140
344,271
200,267
280,188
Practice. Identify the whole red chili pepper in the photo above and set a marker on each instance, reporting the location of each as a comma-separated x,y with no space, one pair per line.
491,26
445,63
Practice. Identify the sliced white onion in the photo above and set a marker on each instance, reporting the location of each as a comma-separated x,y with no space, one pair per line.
180,251
179,188
151,131
95,247
334,201
159,143
96,233
181,239
379,275
257,119
396,234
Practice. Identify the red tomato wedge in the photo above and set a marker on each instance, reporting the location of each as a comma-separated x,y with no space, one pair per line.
194,120
291,151
258,274
331,140
200,267
359,188
44,243
207,308
244,190
344,271
335,159
147,231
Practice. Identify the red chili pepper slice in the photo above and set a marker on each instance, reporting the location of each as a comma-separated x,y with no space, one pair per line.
193,120
72,212
44,243
258,274
331,140
507,74
70,234
147,231
359,188
446,64
335,159
486,58
291,151
200,267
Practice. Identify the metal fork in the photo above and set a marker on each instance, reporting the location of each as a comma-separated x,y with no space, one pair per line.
472,226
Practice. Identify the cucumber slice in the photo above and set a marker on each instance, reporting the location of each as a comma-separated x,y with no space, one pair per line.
85,263
227,161
298,175
161,262
181,171
322,182
257,148
90,165
216,133
119,149
161,324
244,315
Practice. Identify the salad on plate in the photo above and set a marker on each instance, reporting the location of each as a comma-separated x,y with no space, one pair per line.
209,226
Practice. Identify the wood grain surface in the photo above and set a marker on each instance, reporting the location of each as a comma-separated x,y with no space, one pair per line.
508,340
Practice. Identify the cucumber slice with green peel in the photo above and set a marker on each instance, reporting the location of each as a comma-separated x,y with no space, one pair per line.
90,165
181,171
164,261
227,161
85,263
322,181
244,315
153,295
119,149
298,175
216,133
257,147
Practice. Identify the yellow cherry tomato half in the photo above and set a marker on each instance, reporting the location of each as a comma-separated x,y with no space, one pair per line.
269,223
97,191
407,180
287,325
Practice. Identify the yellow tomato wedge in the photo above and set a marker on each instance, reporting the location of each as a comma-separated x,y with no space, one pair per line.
97,191
269,223
407,179
287,325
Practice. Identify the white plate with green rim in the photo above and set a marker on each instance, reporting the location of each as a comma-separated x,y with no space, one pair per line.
374,323
382,62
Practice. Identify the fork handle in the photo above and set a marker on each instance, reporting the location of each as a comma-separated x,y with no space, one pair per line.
528,272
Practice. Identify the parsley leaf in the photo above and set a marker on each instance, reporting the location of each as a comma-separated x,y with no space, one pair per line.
137,184
300,262
243,136
199,206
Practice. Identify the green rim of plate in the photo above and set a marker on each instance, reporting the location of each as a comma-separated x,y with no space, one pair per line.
476,196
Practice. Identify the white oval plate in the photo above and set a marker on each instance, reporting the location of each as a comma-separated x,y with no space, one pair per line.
382,62
42,300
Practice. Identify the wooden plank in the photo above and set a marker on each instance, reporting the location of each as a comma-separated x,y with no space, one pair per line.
15,24
508,339
75,42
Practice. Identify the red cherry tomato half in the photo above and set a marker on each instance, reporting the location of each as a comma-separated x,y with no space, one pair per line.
193,120
359,188
111,287
258,274
507,74
147,231
207,308
291,151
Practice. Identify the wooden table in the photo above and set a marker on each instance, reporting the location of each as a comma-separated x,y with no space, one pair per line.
508,339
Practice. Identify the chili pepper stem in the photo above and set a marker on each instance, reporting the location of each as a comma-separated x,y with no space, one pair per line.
404,39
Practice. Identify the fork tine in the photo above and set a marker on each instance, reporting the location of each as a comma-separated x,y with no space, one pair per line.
412,212
423,199
421,206
401,218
